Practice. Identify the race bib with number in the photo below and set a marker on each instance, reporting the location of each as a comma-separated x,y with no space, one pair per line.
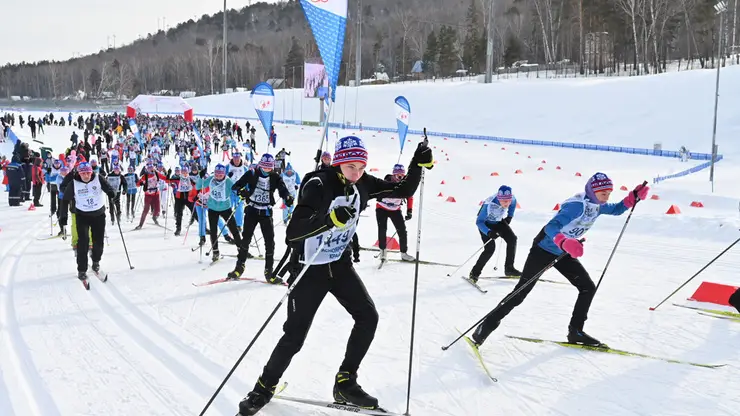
332,245
579,226
261,196
218,190
88,196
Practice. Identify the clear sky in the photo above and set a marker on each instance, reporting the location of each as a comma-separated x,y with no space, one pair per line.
37,30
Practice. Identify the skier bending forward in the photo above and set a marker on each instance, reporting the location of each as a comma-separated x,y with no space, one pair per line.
327,212
560,235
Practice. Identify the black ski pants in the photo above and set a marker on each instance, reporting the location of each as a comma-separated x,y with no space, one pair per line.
87,224
263,217
538,259
115,208
130,204
230,223
735,300
54,194
504,231
341,280
396,218
180,204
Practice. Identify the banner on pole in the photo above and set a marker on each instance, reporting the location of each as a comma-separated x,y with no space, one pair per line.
328,21
263,98
403,111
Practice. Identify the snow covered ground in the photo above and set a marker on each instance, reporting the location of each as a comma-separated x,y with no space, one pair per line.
674,109
149,343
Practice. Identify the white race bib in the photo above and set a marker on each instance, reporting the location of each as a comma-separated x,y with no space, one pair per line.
88,196
337,242
579,226
218,191
261,196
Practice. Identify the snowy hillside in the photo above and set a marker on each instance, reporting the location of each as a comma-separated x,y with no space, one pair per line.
673,109
149,343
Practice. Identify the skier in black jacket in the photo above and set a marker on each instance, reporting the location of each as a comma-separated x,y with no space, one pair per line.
319,232
86,191
257,187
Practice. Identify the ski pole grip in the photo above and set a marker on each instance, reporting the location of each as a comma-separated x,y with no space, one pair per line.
634,192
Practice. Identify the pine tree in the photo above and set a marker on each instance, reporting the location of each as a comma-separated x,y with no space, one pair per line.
471,44
512,51
295,57
430,54
447,60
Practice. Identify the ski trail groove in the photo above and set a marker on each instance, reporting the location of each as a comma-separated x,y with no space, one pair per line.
151,343
26,374
215,371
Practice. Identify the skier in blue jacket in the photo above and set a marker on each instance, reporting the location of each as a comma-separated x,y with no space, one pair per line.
493,221
561,235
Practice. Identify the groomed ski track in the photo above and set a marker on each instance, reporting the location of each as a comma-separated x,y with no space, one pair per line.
148,342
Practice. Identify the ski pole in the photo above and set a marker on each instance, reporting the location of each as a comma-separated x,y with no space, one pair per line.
511,296
498,257
624,227
697,274
470,258
267,321
416,282
166,216
124,243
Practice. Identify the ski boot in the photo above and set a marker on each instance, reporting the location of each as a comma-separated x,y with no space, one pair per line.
61,232
577,336
357,258
138,227
216,255
510,271
237,272
407,257
229,239
155,220
256,399
202,241
275,280
478,337
96,266
347,391
473,277
382,255
82,276
177,232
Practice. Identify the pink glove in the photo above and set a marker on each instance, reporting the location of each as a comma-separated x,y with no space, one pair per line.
569,245
642,193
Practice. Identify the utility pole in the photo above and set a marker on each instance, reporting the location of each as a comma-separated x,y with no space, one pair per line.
224,51
489,45
358,51
114,41
720,8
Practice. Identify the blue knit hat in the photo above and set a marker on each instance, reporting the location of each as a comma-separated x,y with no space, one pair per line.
504,193
267,161
398,169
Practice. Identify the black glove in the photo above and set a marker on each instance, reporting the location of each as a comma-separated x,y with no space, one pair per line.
243,193
507,220
318,156
492,234
169,172
340,216
423,156
408,215
289,201
203,173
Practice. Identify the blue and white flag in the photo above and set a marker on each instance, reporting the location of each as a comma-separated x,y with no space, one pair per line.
199,143
403,111
263,98
135,130
328,21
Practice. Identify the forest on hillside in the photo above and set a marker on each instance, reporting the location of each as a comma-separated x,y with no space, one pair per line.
273,41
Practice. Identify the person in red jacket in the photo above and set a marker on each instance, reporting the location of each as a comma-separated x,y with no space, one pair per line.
150,181
391,208
37,179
